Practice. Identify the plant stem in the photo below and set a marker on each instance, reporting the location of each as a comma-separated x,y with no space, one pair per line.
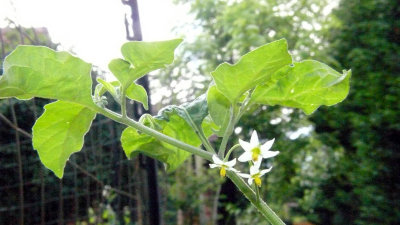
228,132
123,103
200,133
230,151
264,209
160,136
205,141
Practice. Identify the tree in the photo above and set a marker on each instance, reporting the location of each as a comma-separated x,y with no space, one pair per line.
365,36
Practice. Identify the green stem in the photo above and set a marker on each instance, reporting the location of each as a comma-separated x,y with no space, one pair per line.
205,141
245,104
230,151
200,133
238,181
123,103
257,193
261,206
228,132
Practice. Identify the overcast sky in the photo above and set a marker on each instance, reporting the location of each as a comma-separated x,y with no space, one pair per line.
94,29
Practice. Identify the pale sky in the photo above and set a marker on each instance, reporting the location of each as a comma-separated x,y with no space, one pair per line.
94,29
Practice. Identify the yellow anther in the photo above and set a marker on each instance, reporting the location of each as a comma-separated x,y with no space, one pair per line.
257,180
222,172
254,157
255,153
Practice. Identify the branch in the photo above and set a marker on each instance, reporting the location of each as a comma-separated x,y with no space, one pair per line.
8,122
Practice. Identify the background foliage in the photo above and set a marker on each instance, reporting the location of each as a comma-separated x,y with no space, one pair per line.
339,165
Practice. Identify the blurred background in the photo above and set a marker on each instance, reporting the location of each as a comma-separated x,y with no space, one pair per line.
338,166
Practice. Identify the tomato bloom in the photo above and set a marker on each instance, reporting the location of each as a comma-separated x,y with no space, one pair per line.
253,150
255,174
223,165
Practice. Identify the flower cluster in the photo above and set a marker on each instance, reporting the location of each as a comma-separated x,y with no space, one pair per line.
253,152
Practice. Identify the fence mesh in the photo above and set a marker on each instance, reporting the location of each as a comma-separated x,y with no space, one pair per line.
100,186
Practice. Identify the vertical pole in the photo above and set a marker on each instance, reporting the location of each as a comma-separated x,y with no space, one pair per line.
19,160
76,191
3,48
151,166
60,203
41,174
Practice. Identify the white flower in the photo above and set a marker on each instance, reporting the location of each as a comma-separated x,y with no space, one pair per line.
253,150
255,174
223,165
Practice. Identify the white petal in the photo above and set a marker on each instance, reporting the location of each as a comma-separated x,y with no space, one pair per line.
231,163
269,154
233,169
216,160
214,165
250,181
267,145
258,163
244,175
246,156
254,139
265,171
245,145
254,170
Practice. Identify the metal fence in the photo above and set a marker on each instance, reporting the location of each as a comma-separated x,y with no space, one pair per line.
97,187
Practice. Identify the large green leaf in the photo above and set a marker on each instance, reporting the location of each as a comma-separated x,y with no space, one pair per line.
142,57
59,133
32,71
306,85
149,56
252,69
134,142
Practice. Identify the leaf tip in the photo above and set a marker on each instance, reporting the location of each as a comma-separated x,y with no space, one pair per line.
59,173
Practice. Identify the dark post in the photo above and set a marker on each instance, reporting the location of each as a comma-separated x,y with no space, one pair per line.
151,167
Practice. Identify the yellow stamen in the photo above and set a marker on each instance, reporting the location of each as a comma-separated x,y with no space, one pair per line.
222,172
255,153
257,180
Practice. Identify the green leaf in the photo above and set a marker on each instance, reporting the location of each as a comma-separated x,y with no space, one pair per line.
138,93
218,106
32,71
252,69
134,142
306,85
177,128
123,72
108,86
142,58
193,112
149,56
59,133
